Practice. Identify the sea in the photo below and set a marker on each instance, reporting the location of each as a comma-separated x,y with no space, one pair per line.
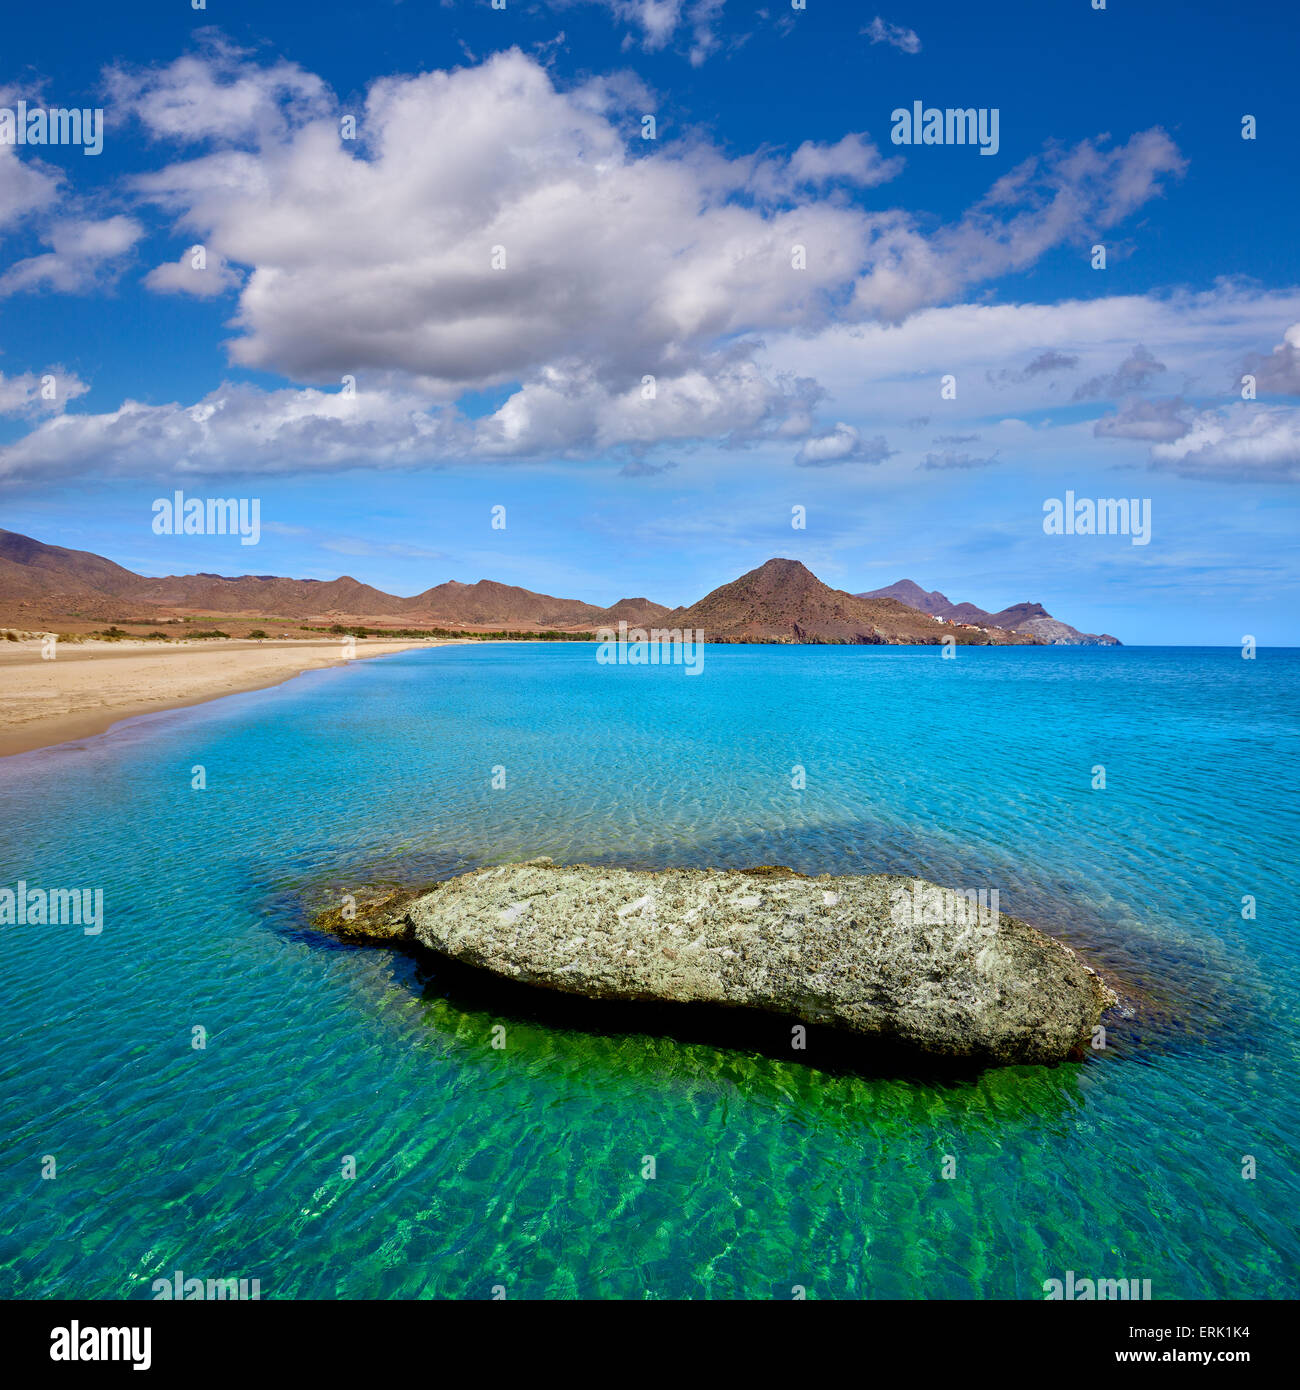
205,1084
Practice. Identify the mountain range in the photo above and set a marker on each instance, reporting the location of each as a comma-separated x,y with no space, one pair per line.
1031,619
783,601
47,587
51,583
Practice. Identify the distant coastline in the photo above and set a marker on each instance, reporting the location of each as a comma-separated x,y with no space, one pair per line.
86,643
49,588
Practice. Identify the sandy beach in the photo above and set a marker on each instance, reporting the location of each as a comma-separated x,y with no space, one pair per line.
90,686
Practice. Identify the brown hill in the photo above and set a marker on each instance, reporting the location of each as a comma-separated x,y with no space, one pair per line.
65,571
42,583
266,594
905,591
1018,613
488,604
783,601
635,612
29,599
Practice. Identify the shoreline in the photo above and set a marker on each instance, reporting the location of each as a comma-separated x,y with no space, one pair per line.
90,687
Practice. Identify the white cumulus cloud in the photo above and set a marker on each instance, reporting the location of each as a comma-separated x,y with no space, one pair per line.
1245,443
491,230
897,35
82,251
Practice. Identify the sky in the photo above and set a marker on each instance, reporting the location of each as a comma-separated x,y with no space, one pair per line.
661,278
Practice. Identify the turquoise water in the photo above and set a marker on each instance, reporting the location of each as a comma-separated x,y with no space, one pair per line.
522,1166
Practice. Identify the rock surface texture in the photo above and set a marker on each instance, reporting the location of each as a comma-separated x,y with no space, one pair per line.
882,956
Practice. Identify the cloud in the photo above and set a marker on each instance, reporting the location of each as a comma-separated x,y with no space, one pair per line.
215,96
1201,337
660,22
237,429
1279,372
244,429
1247,442
184,277
702,16
842,444
1045,364
894,34
34,195
30,394
854,159
489,230
26,187
83,254
380,255
949,458
725,398
639,468
1134,373
890,372
1050,362
1155,421
1060,197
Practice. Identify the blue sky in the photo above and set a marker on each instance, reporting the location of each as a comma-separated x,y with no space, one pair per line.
774,387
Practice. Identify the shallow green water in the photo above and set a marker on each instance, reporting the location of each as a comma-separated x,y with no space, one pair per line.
523,1166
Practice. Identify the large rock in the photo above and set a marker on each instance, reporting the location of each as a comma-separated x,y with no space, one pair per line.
881,955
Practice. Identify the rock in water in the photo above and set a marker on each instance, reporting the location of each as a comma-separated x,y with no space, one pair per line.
881,955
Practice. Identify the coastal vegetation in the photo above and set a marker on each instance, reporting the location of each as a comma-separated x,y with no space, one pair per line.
416,633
